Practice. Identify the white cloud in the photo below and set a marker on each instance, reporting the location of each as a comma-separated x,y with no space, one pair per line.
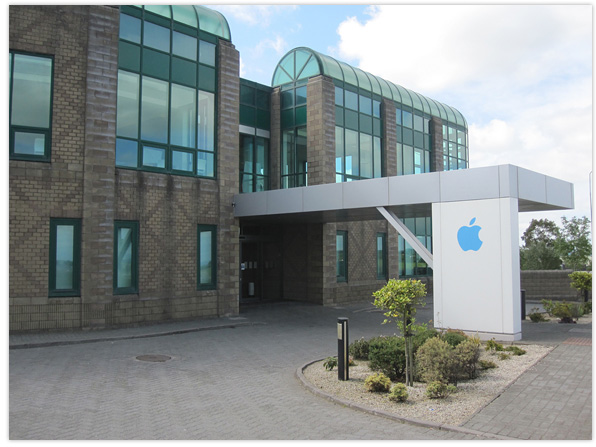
432,47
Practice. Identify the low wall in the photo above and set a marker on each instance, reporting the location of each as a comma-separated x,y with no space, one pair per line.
548,284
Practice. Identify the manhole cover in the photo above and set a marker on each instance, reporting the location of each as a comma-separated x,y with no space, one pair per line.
154,358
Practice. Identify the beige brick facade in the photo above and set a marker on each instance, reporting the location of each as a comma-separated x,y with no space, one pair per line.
82,182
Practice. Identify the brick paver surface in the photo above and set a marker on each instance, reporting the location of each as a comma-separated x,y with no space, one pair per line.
552,400
230,383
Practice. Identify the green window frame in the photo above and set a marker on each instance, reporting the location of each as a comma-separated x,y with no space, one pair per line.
414,141
411,263
382,257
455,147
65,257
341,250
126,257
167,96
358,135
31,85
206,257
254,163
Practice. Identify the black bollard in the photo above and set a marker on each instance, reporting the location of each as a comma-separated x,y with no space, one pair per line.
343,356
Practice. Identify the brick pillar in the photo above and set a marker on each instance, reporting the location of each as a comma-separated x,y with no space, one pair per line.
99,163
320,122
436,127
275,140
389,138
228,143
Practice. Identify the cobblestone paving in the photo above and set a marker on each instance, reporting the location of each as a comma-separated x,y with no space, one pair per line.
230,383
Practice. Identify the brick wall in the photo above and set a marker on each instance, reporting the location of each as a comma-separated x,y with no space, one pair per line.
548,284
82,182
37,190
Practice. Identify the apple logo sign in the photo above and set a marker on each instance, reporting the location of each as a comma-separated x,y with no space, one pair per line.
467,236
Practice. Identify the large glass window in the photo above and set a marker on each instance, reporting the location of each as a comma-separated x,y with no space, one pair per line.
30,90
207,257
410,263
455,147
341,250
126,241
294,161
166,95
414,142
382,256
65,257
358,139
254,163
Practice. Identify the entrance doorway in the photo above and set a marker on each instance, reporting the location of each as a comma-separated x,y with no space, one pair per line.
260,264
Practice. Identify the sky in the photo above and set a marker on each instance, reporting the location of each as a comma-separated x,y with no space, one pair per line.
520,74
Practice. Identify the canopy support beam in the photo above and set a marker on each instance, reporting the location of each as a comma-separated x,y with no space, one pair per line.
407,235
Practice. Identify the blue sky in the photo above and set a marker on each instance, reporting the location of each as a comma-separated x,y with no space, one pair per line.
520,74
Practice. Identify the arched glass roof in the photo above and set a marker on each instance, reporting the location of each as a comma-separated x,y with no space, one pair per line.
303,63
196,16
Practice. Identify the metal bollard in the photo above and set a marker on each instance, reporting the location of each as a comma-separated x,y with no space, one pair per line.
343,357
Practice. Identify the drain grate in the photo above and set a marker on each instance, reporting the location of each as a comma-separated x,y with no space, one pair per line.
155,358
577,341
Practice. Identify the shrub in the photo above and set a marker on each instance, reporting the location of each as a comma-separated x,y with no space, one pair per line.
587,309
421,336
536,316
486,364
467,354
515,350
387,355
399,393
439,390
503,356
454,338
359,349
564,311
377,383
436,361
492,345
582,282
330,363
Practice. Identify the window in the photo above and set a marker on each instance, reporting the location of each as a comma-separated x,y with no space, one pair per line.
30,84
294,161
166,96
65,257
358,142
410,263
207,257
382,256
341,248
126,249
254,163
413,141
455,147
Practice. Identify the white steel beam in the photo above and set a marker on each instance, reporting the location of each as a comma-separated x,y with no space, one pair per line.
407,235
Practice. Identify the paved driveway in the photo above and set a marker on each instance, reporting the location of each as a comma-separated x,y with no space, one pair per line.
230,383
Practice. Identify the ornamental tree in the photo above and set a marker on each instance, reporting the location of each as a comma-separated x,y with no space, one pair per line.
399,299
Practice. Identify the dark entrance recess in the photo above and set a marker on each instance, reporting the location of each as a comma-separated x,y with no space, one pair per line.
260,264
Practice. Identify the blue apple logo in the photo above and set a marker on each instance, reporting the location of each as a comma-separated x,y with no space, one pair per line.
468,237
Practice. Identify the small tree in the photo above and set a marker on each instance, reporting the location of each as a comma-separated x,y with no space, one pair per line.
582,282
399,299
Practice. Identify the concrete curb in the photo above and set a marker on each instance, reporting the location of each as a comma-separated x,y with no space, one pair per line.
426,424
127,337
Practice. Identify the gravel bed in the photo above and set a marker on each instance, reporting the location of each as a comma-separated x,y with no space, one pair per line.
456,409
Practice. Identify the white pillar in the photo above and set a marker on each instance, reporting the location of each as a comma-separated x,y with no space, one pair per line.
476,275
